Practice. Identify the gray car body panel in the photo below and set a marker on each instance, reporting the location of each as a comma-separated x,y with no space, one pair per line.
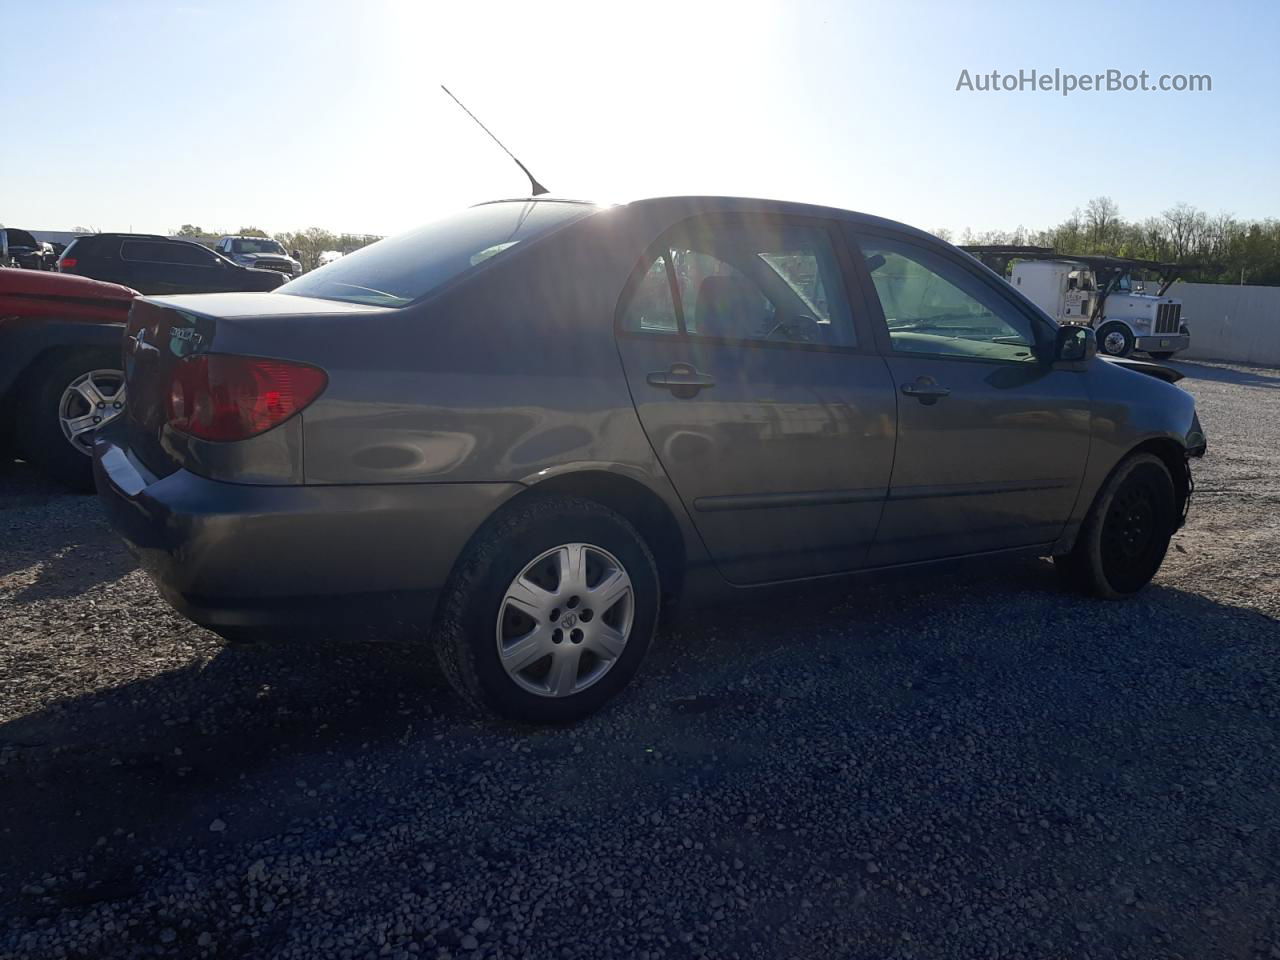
513,376
242,554
1129,409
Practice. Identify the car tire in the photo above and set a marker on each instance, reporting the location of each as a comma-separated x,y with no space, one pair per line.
1115,339
518,632
1126,533
39,431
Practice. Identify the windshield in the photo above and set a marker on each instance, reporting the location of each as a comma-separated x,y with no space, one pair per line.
256,246
404,268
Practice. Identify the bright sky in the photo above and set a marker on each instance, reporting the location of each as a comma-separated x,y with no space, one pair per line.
131,114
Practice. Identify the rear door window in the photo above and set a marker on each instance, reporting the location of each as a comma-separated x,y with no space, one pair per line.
157,251
142,250
191,255
743,278
719,299
652,306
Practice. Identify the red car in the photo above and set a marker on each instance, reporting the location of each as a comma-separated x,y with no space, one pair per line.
60,368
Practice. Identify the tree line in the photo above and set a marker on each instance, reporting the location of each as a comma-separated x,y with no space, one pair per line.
1216,248
309,243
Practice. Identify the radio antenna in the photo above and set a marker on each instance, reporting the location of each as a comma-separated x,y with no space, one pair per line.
537,188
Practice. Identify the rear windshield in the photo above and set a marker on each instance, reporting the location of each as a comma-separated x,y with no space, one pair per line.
404,268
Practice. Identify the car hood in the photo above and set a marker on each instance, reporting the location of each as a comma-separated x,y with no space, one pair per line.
1150,368
34,294
265,256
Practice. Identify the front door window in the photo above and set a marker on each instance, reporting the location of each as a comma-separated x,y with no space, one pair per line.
935,307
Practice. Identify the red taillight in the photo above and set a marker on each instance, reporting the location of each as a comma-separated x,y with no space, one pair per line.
66,263
220,397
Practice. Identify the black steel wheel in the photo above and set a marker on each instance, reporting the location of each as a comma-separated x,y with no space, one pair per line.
1124,538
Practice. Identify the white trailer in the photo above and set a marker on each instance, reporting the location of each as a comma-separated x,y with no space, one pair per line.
1099,292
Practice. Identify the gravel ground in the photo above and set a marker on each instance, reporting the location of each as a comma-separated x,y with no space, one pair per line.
986,767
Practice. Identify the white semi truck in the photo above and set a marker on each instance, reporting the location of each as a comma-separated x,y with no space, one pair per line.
1098,292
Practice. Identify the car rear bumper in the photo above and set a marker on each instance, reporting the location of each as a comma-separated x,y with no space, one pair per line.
228,554
1163,343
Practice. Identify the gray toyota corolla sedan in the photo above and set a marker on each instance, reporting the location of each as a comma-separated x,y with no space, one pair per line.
525,427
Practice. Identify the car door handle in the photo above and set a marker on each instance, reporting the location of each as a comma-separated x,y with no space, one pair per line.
926,390
683,379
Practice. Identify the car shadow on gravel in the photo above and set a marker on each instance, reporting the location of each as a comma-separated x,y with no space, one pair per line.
21,484
156,758
272,730
82,559
72,546
1236,377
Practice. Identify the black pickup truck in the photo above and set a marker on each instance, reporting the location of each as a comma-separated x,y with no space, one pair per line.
18,248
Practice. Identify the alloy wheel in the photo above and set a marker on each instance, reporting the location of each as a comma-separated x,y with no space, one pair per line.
90,402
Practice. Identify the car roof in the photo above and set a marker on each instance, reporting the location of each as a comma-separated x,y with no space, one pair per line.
692,205
154,237
131,236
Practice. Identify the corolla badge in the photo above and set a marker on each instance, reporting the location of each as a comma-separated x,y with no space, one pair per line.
184,340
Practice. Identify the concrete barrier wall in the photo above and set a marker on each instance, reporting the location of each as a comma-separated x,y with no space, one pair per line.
1240,323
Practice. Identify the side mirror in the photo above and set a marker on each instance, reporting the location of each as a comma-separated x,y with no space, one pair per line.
297,255
1075,344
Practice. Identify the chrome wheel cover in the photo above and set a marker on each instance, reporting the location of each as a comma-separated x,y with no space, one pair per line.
1113,343
565,620
90,402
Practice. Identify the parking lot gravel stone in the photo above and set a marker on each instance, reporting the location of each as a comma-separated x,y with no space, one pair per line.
964,762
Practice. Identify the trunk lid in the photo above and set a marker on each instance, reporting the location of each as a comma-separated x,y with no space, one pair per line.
161,331
156,337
